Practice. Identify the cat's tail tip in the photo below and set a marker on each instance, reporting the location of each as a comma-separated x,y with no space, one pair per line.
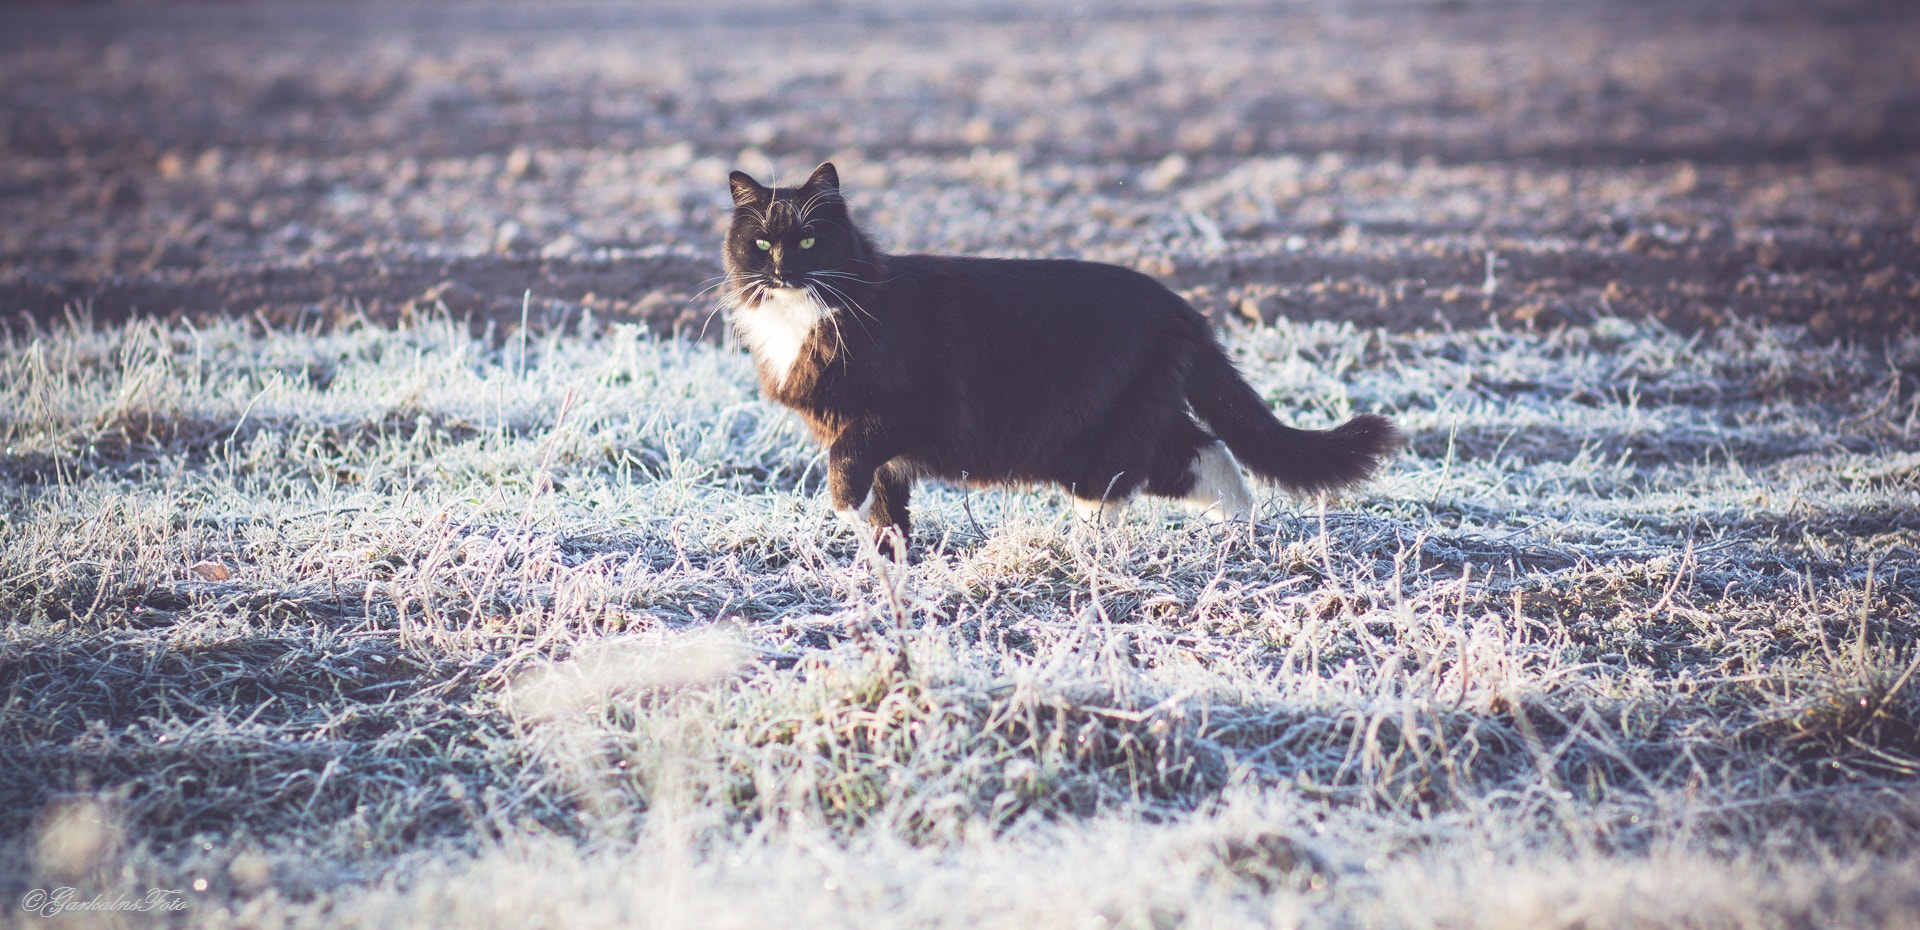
1352,453
1310,462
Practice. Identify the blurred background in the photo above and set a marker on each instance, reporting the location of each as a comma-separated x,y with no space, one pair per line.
1406,164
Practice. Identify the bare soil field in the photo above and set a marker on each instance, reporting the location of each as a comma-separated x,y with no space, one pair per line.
1688,162
390,538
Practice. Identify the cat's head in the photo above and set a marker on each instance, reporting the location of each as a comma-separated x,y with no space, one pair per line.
793,237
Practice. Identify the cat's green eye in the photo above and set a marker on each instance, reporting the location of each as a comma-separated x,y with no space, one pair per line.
763,245
807,243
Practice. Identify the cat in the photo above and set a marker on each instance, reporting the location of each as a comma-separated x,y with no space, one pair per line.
990,371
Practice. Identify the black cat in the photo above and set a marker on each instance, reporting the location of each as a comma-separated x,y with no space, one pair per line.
1000,371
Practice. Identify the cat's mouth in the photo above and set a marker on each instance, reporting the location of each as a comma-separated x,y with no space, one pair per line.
770,295
779,291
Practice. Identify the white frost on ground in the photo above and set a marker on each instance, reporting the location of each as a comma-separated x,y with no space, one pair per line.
401,628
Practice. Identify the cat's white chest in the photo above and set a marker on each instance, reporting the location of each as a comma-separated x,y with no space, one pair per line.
776,331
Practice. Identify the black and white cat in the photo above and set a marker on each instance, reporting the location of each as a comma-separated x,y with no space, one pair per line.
998,371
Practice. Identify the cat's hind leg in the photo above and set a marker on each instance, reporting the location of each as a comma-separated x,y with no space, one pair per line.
1195,469
1219,491
1122,456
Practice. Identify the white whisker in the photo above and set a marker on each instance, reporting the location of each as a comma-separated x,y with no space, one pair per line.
851,305
805,212
852,277
833,320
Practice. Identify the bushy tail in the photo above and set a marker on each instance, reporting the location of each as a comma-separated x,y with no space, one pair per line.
1303,461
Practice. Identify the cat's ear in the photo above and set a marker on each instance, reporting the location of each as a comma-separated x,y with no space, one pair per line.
824,178
746,190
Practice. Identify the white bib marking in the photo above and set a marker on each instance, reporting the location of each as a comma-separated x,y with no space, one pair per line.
777,329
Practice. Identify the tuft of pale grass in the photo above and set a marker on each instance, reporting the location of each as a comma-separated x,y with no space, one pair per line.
410,628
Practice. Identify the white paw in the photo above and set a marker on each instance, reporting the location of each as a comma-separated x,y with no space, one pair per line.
1101,512
857,517
1219,492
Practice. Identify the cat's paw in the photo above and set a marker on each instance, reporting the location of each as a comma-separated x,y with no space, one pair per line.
1099,512
857,517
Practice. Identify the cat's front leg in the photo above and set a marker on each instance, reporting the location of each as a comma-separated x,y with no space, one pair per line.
865,513
852,461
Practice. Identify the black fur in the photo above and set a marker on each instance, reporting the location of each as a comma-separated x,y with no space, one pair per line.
992,371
